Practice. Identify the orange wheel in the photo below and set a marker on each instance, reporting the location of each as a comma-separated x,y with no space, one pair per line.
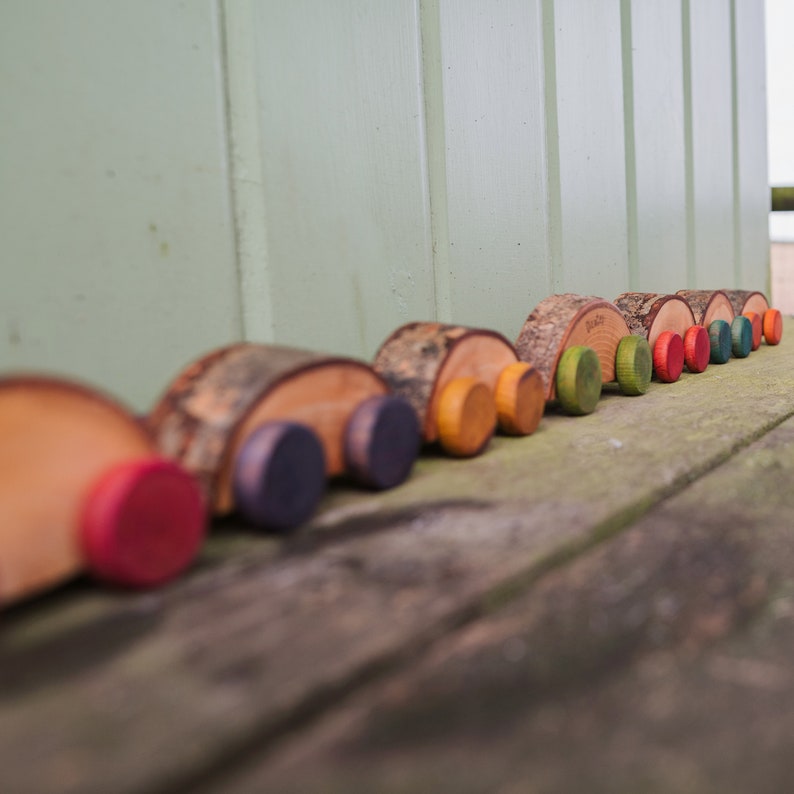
466,417
520,399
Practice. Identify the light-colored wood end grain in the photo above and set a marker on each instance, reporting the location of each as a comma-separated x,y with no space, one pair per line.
651,314
56,441
708,305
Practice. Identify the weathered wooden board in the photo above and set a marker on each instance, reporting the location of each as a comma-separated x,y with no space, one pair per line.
162,690
658,662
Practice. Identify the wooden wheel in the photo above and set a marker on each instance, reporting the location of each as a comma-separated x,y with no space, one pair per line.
466,417
668,356
697,348
382,441
741,336
720,340
773,326
520,399
578,380
279,475
633,365
142,523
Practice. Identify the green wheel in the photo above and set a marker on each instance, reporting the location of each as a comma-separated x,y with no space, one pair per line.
578,380
633,365
741,336
720,340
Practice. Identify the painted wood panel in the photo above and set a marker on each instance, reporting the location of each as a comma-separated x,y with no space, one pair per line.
118,253
494,129
752,199
341,120
655,145
712,143
591,156
319,173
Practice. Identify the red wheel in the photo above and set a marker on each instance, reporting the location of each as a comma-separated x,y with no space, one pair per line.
668,356
697,348
143,523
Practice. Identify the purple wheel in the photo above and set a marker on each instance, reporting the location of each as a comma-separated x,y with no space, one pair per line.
382,441
279,475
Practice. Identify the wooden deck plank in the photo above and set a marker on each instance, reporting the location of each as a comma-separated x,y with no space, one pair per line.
659,661
103,692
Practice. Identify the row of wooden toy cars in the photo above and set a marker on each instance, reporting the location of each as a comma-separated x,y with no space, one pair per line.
259,429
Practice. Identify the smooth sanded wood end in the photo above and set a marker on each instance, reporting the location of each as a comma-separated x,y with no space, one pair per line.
741,336
279,475
633,365
720,341
143,523
697,348
578,380
758,328
382,440
773,326
466,417
668,356
520,399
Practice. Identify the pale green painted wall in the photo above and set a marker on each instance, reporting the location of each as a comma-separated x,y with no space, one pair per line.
117,248
179,174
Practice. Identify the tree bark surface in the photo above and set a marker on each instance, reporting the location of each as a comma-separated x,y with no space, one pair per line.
708,305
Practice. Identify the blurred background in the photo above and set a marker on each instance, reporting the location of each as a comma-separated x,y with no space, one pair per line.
780,98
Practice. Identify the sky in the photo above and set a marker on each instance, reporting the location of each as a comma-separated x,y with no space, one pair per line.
780,106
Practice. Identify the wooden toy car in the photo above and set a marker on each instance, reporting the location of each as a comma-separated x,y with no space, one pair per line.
262,427
82,489
667,322
729,333
579,342
765,321
460,383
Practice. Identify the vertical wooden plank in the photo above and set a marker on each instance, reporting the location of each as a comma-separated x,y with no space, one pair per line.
114,213
592,175
341,119
492,71
712,142
752,204
654,59
436,142
245,164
